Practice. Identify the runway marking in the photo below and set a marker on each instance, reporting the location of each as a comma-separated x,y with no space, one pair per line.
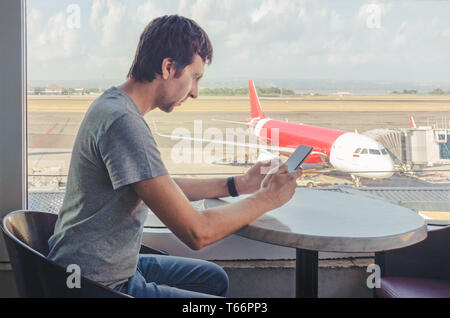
64,127
44,136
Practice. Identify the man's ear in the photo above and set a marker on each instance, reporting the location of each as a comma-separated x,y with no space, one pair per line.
168,68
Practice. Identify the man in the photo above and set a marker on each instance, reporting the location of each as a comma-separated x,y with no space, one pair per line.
116,165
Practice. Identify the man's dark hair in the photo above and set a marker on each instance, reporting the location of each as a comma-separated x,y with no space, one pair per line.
174,37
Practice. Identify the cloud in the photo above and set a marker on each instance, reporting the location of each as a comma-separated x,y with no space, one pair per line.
336,22
148,11
255,38
106,17
96,12
243,56
211,15
446,33
302,14
372,14
102,63
112,21
399,40
236,40
400,37
267,7
273,9
51,39
201,10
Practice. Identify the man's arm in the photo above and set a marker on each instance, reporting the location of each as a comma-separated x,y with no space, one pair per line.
250,182
197,230
199,189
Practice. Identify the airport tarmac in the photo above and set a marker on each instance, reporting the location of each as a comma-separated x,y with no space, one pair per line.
55,131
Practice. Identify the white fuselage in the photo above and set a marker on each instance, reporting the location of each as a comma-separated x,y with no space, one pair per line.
361,156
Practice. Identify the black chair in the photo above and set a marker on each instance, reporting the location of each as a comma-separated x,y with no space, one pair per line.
418,271
26,235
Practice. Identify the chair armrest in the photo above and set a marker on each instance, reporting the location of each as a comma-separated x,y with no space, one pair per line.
428,259
149,250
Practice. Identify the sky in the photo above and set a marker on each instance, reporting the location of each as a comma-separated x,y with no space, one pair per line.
298,39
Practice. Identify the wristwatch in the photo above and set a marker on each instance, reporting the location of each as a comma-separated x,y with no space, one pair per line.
232,187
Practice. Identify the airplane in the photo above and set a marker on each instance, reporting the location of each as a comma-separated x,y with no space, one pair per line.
350,152
357,154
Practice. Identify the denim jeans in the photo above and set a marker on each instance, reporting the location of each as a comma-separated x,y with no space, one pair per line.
161,276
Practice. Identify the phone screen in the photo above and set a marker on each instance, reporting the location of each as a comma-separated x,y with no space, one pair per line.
297,158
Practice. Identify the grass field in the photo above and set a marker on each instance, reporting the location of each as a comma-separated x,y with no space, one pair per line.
351,103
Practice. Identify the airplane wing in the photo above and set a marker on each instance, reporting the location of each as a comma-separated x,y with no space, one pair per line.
231,143
284,151
232,122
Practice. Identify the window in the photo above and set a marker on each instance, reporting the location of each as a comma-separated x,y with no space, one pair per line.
358,84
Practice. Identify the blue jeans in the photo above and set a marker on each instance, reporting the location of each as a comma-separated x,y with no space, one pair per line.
161,276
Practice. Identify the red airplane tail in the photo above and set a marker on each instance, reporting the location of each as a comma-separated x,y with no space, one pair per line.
256,110
412,122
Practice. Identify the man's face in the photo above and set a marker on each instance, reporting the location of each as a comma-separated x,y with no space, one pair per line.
177,90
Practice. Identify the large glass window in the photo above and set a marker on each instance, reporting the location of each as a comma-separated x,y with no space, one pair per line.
377,73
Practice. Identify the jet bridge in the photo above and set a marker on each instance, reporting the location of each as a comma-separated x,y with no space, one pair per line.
415,146
392,140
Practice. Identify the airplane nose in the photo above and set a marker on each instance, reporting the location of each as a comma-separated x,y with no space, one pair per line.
388,167
383,169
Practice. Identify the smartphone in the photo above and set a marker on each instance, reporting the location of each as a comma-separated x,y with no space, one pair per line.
297,158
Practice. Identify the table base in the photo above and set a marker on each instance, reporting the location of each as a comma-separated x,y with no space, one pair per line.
306,273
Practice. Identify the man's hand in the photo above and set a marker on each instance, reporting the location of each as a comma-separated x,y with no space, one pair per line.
279,186
250,182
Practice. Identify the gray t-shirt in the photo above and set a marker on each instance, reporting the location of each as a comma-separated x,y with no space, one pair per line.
100,224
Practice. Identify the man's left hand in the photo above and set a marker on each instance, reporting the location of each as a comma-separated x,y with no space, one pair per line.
250,182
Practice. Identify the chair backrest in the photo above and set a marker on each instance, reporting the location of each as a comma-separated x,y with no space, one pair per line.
32,228
427,259
26,236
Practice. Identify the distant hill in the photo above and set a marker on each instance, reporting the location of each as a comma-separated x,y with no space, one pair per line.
271,91
298,86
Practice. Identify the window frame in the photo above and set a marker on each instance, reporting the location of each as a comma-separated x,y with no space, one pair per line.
13,122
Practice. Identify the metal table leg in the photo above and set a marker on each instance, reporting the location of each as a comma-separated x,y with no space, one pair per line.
306,273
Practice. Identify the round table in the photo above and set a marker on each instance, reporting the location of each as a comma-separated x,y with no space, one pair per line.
317,220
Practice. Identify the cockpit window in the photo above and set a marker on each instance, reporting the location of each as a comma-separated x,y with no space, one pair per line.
374,152
384,151
358,150
364,152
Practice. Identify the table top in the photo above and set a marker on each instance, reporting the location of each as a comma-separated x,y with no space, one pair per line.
335,222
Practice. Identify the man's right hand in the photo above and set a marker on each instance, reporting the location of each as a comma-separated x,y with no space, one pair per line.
279,186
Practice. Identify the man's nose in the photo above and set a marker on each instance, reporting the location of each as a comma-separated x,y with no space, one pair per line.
194,91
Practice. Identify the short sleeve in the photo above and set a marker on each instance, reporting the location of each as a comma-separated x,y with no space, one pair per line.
129,152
